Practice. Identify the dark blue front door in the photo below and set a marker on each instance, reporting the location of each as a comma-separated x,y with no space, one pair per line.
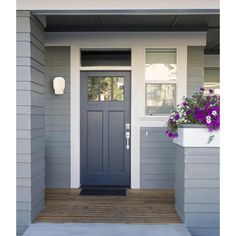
105,128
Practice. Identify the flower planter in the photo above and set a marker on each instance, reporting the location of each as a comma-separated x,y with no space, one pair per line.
196,136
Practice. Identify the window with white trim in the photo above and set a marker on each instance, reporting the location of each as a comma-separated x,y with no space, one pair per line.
160,81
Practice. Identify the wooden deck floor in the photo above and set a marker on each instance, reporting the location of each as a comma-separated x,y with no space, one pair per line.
139,206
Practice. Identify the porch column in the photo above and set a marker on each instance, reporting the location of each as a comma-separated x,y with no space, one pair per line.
30,119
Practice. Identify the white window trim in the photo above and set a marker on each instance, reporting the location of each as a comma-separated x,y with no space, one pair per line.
107,68
181,84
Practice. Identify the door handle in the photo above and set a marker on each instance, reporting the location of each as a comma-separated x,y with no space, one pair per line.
127,135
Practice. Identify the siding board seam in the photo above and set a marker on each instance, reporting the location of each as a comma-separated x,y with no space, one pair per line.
30,34
32,58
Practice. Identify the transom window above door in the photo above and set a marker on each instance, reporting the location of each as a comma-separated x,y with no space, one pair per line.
101,57
109,88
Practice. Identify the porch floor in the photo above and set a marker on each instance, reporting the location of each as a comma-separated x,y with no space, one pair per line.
138,207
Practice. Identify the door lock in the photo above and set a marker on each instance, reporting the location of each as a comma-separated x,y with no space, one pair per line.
127,125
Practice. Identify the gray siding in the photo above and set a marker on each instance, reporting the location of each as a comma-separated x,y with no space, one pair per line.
157,159
197,189
57,119
195,69
30,119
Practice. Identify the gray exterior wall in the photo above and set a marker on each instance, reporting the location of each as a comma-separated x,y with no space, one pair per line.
197,189
157,156
30,119
57,119
195,69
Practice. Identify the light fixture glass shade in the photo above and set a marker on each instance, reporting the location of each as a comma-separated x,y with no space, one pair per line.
59,85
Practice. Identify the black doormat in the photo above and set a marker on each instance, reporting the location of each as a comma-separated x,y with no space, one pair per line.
102,192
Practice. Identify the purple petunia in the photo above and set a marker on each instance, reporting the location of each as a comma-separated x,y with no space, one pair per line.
177,116
198,109
188,112
202,89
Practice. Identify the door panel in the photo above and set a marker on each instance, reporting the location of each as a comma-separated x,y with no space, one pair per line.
116,145
105,109
94,138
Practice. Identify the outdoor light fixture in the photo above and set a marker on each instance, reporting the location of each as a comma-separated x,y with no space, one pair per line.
59,85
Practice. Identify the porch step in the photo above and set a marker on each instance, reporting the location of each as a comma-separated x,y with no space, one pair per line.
75,229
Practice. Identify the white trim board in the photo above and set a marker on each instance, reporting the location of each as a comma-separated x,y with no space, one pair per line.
137,42
75,116
106,68
114,5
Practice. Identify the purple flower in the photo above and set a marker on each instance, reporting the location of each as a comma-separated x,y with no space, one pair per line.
188,112
174,135
207,104
177,116
198,109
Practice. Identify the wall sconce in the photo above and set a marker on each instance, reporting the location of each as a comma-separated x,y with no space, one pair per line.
59,85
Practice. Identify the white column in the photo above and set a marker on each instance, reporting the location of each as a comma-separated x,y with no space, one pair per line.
75,116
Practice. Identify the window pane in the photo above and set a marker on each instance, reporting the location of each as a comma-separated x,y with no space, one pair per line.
160,98
93,88
160,64
212,79
105,89
118,89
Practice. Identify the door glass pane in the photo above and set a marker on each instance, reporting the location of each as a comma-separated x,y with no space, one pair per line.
105,89
93,88
160,98
160,64
118,89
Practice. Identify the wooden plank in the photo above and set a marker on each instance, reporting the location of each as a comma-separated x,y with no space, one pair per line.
139,206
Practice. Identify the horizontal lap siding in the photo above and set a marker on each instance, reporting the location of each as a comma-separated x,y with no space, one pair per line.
202,189
195,69
30,119
197,189
57,119
157,159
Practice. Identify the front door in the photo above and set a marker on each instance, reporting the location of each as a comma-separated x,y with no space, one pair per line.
105,128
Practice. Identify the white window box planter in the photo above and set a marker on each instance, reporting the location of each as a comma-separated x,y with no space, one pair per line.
196,136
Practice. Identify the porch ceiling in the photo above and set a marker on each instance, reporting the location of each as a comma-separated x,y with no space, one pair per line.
142,23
